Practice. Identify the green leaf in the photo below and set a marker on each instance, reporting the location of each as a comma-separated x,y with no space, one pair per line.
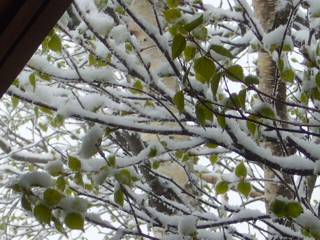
293,209
244,188
242,98
222,121
15,102
215,83
251,79
46,110
266,111
78,179
124,177
211,145
178,100
61,183
241,170
155,164
287,75
235,73
203,113
52,197
58,225
25,203
138,87
171,15
200,33
58,121
222,187
173,3
74,220
189,52
33,80
119,197
193,24
204,69
74,163
55,44
252,127
278,208
42,213
178,45
153,152
214,159
222,51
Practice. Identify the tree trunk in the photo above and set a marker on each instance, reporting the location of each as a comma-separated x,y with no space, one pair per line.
266,13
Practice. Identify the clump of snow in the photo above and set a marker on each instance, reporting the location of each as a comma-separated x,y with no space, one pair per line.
91,141
120,33
74,204
54,167
314,8
276,38
187,225
39,179
101,22
309,221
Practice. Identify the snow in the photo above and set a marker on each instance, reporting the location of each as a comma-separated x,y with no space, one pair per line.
187,225
101,23
91,141
120,33
309,221
41,179
277,38
74,204
54,167
314,8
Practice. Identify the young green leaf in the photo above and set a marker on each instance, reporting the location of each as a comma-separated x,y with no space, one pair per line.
293,209
74,220
25,203
52,197
119,197
173,3
251,79
74,163
55,44
189,52
241,170
58,225
42,213
244,188
33,80
222,121
288,75
222,187
172,14
205,69
278,208
178,100
61,183
15,102
235,73
193,24
124,177
221,50
178,45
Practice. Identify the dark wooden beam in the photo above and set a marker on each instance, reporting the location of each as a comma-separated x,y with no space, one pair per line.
23,26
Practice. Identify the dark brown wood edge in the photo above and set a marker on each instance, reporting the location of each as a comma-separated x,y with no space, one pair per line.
24,33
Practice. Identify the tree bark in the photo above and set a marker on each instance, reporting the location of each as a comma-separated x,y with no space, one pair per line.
265,11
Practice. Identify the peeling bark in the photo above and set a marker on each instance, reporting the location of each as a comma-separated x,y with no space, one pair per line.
266,12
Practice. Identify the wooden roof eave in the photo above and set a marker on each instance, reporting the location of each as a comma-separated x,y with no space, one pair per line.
23,26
